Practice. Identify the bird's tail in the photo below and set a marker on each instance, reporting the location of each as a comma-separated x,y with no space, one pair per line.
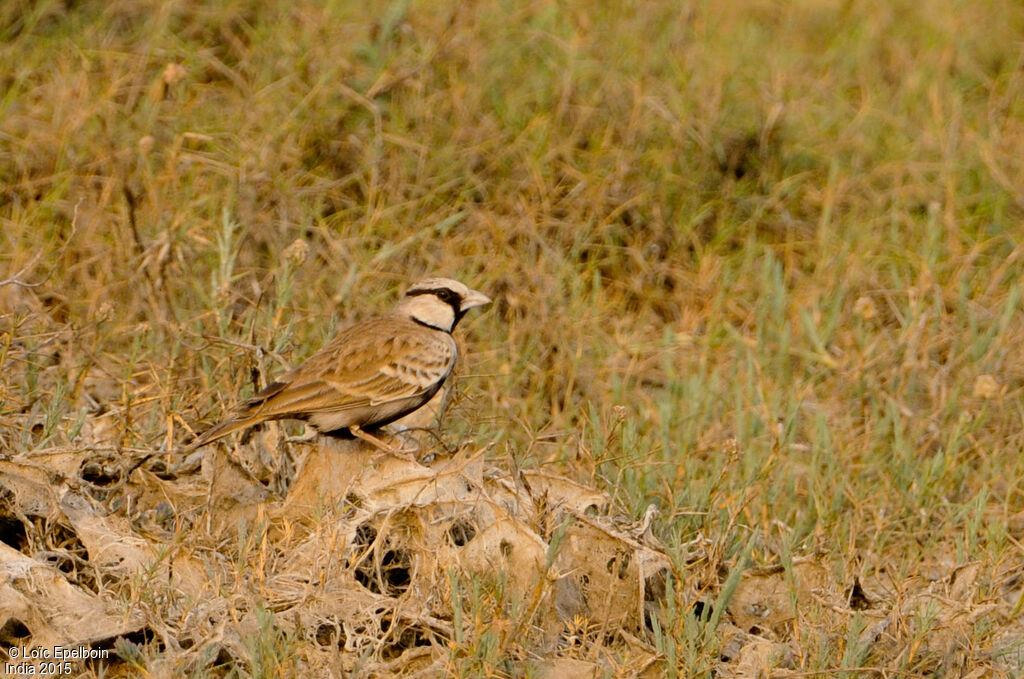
217,431
220,430
244,415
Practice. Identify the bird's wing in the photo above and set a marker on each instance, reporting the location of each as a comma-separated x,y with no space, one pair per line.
370,364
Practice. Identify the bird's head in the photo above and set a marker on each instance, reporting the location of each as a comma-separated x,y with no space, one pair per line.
440,302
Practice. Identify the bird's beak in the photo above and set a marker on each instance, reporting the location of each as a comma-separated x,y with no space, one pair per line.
473,299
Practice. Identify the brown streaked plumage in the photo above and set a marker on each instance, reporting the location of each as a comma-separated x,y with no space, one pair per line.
370,374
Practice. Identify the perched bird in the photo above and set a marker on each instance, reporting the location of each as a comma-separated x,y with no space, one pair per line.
370,374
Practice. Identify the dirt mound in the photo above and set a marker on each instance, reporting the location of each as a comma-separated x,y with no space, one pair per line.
345,561
359,562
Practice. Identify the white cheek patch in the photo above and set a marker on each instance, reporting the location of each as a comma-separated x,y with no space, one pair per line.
431,311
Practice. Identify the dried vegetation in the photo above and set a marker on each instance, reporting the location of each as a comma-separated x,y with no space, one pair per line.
748,403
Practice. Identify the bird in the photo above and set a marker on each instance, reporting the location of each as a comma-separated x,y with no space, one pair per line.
369,374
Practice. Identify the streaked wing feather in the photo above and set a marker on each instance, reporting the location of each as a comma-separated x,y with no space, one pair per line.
295,398
390,362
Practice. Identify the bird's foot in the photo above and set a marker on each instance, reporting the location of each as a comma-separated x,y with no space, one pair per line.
376,442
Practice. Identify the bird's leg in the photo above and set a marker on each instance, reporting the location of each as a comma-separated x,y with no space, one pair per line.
374,441
406,436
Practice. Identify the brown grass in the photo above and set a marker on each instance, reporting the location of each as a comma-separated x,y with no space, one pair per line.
756,264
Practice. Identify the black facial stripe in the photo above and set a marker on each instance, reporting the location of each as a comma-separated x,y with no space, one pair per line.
428,325
454,302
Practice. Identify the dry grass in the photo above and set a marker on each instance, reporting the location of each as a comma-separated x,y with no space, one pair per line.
755,264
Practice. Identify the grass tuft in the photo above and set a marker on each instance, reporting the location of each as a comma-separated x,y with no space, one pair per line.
755,264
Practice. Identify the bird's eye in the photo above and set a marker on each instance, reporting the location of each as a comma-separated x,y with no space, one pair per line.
445,295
